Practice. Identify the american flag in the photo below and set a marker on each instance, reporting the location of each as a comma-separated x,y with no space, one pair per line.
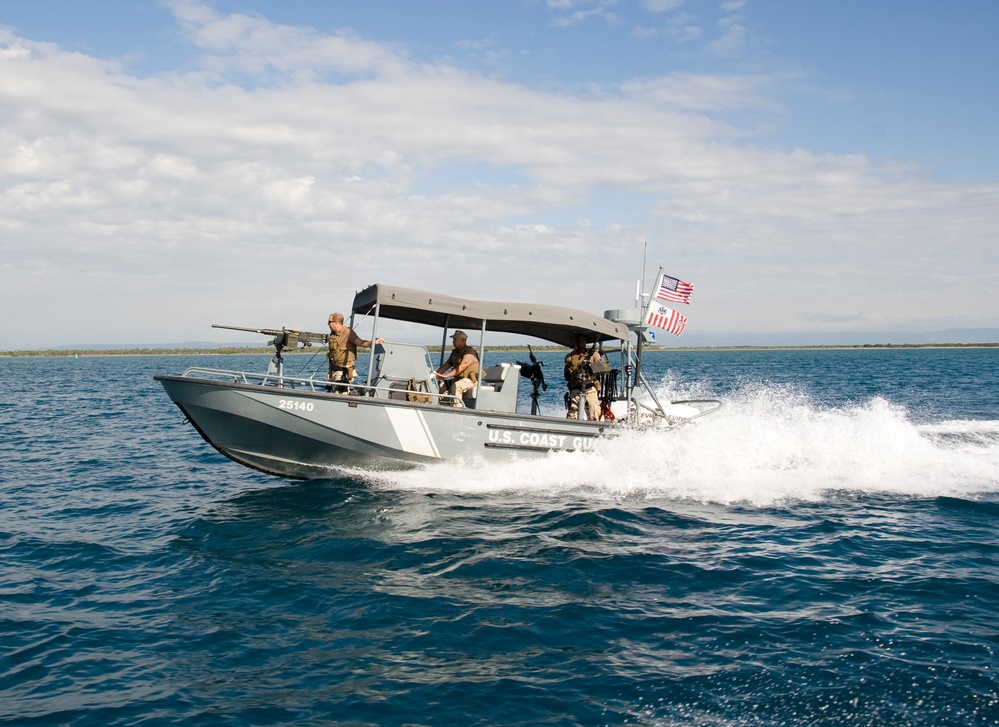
674,290
666,318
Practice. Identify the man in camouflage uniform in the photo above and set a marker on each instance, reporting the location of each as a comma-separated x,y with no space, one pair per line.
463,365
343,351
581,380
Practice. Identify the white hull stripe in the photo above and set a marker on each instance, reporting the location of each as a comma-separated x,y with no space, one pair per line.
411,429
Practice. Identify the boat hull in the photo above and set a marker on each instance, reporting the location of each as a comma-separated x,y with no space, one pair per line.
309,434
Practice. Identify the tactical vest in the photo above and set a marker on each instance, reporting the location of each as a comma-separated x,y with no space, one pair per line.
342,352
472,371
576,371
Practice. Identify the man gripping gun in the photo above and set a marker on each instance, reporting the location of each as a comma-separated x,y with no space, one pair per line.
582,382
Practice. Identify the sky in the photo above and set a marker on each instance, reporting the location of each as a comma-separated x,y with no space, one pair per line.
811,167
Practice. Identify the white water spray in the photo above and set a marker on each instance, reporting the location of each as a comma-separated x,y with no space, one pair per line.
767,445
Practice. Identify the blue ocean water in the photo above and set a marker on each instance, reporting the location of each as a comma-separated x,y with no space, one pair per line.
821,551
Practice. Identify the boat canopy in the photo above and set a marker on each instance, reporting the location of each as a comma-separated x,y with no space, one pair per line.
547,322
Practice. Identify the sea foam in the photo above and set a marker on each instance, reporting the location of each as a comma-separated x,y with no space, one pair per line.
767,445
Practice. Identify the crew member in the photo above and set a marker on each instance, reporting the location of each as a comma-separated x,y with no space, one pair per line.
581,380
343,351
462,365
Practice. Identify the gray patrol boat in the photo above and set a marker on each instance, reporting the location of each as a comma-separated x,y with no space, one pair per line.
305,428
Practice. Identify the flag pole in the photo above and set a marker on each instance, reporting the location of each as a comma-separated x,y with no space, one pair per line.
648,304
643,307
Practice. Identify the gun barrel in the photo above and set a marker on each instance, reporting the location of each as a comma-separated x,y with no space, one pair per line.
304,337
265,331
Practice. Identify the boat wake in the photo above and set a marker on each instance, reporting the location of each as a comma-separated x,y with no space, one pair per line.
767,445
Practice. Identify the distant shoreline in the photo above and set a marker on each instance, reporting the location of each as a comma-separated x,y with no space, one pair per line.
267,350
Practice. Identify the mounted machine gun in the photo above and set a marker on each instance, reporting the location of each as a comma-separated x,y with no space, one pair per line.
283,338
536,374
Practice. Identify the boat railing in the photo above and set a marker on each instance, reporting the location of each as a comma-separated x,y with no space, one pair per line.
270,378
318,383
649,411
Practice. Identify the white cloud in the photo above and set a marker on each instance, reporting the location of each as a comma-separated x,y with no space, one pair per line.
573,12
680,27
661,6
705,92
284,173
732,41
254,45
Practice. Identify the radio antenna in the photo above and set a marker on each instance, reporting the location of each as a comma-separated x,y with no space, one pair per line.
641,287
